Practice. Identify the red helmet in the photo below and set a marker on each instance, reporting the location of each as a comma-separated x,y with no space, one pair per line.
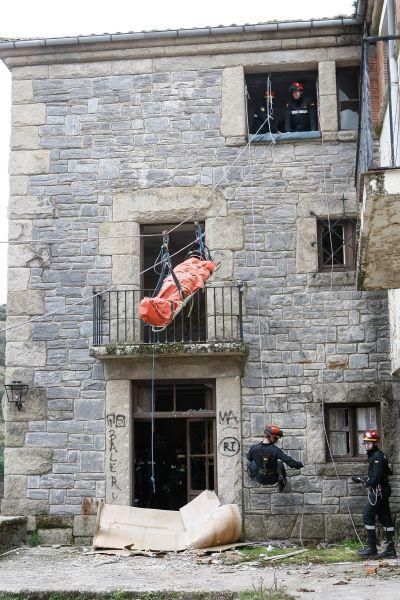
296,87
273,431
371,436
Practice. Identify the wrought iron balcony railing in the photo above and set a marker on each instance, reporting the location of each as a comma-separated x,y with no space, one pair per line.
214,314
379,106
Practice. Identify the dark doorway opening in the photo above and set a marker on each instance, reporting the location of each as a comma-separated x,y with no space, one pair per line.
183,443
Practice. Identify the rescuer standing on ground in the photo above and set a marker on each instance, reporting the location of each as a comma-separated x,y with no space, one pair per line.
379,490
265,460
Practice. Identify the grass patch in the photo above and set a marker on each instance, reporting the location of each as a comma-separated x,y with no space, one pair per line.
334,553
34,540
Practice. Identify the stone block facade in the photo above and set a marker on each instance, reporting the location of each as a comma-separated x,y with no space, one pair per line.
106,139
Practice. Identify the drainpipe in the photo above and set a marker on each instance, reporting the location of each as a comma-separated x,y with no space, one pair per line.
393,80
391,31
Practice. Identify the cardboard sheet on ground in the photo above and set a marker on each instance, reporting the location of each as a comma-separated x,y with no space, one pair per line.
202,523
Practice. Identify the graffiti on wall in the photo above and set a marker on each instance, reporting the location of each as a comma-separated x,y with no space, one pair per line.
229,444
114,423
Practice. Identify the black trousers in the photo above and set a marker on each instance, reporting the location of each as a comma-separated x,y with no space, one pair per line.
381,510
378,506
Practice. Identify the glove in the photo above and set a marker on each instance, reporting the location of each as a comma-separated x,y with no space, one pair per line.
299,465
358,479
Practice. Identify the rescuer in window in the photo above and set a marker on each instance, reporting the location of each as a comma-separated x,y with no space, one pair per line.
379,491
264,117
265,460
300,111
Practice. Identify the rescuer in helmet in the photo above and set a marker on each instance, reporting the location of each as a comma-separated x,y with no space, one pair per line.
265,460
264,117
379,490
300,112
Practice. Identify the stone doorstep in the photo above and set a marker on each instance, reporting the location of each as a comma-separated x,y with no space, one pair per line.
12,531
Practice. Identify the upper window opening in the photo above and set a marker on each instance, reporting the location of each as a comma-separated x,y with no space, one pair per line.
190,323
348,97
179,246
282,102
336,244
346,425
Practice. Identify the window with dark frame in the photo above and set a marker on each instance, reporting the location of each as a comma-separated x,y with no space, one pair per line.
256,84
345,426
336,241
347,81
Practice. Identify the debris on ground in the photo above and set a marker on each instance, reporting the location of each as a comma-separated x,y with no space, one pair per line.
202,523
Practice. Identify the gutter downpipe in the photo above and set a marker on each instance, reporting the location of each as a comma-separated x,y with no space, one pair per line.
393,82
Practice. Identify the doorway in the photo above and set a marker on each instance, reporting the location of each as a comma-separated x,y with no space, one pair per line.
183,444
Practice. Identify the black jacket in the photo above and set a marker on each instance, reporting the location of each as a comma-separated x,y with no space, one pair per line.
378,470
260,123
300,115
265,457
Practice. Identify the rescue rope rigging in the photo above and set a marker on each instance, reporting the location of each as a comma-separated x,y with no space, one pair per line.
202,254
322,391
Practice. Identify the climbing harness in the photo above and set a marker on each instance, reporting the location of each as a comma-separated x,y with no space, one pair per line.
176,287
374,494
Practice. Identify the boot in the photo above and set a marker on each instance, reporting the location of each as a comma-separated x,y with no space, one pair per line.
370,549
368,552
389,552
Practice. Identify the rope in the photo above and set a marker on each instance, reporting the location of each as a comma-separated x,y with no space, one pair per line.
153,402
322,392
261,362
129,279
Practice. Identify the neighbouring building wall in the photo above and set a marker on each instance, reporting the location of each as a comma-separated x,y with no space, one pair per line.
394,312
91,137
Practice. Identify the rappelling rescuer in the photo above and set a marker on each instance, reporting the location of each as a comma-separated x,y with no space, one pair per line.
265,459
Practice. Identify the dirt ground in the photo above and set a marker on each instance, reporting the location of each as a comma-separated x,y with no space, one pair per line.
72,569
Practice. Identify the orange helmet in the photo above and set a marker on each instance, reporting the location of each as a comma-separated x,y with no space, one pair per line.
273,432
371,436
268,94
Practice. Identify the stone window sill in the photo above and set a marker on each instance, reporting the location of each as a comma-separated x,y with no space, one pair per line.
336,278
285,137
344,469
329,136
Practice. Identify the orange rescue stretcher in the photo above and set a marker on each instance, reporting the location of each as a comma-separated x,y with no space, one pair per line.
191,275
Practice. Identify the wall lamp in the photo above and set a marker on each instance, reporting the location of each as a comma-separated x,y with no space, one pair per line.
16,392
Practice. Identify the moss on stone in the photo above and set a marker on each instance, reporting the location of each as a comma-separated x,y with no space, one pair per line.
163,349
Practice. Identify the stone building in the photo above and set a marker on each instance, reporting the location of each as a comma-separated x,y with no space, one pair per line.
118,137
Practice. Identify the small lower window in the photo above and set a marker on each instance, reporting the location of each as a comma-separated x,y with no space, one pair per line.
336,244
345,426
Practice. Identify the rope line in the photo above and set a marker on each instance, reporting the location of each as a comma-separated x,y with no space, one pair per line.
128,280
153,402
322,391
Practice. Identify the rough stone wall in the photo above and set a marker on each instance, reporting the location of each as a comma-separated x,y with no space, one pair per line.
82,134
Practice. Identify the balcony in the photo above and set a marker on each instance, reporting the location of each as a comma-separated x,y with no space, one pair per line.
212,322
378,167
